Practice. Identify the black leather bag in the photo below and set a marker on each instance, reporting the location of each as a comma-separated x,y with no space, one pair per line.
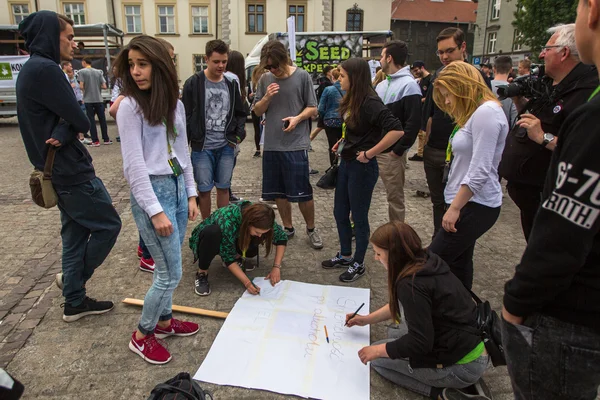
329,180
181,386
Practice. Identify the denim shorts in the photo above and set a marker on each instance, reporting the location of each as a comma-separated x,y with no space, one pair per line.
213,168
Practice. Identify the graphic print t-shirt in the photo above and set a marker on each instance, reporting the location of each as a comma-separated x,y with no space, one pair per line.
217,108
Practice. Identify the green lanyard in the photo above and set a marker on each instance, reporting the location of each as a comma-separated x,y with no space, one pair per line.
594,93
169,148
344,126
449,148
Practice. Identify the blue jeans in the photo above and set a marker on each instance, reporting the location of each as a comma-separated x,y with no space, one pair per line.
97,109
422,380
213,168
353,191
165,250
551,359
90,226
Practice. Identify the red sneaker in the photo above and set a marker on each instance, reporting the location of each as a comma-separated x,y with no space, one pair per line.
140,253
150,349
177,328
147,265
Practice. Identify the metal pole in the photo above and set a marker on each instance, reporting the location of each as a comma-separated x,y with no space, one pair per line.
105,30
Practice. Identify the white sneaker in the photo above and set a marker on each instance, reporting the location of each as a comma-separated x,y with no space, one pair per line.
86,141
59,280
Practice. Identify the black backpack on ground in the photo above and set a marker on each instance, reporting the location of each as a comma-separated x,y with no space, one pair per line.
488,328
181,386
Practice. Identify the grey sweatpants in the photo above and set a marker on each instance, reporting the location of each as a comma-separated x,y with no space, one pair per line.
421,380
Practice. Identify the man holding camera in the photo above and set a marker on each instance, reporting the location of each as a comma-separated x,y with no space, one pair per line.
567,85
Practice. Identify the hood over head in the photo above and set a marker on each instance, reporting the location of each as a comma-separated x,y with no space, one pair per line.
41,32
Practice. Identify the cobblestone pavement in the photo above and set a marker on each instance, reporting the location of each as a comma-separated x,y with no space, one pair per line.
89,359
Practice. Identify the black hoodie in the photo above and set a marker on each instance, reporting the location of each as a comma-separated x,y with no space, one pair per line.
46,104
430,301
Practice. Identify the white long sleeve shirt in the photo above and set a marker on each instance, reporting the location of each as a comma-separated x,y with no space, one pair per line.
477,149
145,153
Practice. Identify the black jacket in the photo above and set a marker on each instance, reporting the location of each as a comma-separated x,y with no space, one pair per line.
194,100
376,120
559,274
46,104
526,162
431,301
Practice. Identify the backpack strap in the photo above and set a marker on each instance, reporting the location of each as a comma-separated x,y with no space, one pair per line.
49,162
191,396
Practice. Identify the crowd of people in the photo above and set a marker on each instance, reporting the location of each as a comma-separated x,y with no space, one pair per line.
176,149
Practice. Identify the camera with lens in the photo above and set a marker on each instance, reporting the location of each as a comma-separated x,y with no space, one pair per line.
531,86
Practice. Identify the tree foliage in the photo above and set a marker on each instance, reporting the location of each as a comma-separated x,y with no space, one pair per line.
534,17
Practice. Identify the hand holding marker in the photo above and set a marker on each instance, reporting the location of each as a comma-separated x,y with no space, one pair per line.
354,315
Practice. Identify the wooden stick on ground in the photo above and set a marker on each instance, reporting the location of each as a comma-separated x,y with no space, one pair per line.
183,309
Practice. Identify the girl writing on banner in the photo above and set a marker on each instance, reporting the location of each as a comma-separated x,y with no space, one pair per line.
473,193
157,166
234,233
424,353
366,117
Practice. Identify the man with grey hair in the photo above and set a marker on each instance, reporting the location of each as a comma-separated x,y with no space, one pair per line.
568,83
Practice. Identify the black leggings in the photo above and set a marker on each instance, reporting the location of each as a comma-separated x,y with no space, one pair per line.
209,244
333,135
256,123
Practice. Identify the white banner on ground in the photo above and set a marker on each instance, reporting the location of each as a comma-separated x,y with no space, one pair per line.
9,70
276,342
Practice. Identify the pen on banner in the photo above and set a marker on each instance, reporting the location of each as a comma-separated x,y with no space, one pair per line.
326,334
354,315
251,282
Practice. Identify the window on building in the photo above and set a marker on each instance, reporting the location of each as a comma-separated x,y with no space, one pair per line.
133,18
492,39
255,17
298,11
75,11
199,62
166,19
354,19
517,38
199,19
496,9
19,12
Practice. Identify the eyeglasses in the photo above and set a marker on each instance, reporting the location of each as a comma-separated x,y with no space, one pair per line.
270,67
546,48
440,53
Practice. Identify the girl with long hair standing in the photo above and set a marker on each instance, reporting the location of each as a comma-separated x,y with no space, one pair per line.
428,352
366,117
157,166
473,193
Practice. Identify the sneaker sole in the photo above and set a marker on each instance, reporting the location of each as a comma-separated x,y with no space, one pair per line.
146,269
73,318
356,277
166,335
335,266
316,246
202,294
139,353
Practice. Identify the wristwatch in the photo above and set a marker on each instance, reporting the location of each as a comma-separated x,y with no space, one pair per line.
548,137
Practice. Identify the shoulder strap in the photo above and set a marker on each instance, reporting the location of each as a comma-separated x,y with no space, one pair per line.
49,162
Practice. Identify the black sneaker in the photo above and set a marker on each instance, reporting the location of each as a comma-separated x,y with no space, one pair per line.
234,199
416,157
313,171
201,285
256,154
458,394
337,262
89,306
354,272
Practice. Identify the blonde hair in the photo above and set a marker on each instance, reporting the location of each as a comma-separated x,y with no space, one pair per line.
379,77
466,84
